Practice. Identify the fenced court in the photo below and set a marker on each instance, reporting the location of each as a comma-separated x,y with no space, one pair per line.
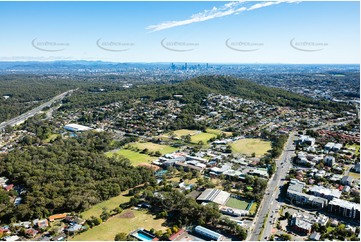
237,203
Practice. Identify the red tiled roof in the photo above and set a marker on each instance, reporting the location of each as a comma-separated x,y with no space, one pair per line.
31,231
2,230
174,236
43,223
9,187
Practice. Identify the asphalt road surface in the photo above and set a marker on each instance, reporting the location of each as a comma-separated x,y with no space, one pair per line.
21,118
270,204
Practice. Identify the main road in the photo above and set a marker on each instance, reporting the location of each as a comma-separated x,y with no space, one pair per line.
269,206
21,118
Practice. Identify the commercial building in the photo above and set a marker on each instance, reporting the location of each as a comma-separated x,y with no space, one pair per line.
296,195
220,170
57,217
315,236
233,211
301,158
170,162
188,157
337,147
214,195
76,128
305,139
321,191
330,146
356,168
344,208
347,180
207,233
329,161
301,225
295,186
313,219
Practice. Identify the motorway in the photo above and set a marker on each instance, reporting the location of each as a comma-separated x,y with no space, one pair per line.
265,219
21,118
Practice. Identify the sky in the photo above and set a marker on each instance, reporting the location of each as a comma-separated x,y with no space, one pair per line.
214,32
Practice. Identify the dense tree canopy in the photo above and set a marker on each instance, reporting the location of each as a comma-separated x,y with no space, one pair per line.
69,175
195,90
26,91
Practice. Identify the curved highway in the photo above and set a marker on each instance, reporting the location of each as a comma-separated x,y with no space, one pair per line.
21,118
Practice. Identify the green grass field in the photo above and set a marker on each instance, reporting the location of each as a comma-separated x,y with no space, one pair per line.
182,132
163,149
204,137
134,157
107,230
51,138
249,146
253,208
235,203
218,132
109,204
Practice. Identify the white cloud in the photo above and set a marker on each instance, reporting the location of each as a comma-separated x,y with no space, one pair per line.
262,5
231,8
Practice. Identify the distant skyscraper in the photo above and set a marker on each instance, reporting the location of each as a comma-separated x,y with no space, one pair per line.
172,66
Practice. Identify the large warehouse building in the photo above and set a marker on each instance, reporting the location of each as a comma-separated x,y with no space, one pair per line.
76,128
214,195
207,233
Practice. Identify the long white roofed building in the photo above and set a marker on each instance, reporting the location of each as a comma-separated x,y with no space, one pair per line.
214,195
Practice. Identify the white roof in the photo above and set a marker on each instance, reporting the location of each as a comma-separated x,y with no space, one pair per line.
12,238
77,127
330,144
214,195
325,191
345,204
301,223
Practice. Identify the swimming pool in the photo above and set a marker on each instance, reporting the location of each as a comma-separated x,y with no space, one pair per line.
143,236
